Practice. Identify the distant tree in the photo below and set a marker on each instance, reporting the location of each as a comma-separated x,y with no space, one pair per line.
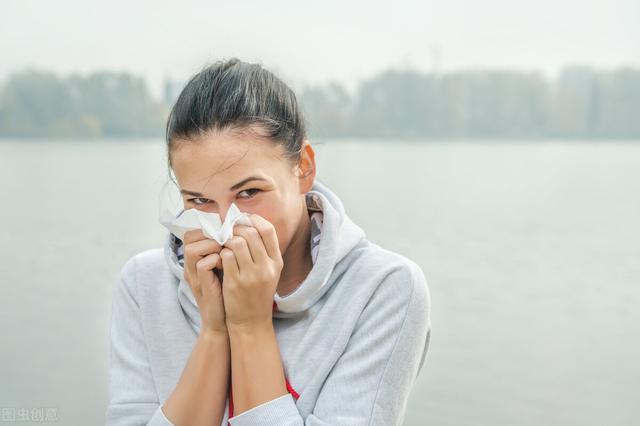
395,103
38,104
329,105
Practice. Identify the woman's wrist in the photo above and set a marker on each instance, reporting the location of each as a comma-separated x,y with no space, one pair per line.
249,330
214,336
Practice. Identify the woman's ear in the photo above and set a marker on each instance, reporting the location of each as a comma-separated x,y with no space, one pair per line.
306,168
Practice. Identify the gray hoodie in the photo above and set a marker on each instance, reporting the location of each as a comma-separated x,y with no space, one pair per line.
353,336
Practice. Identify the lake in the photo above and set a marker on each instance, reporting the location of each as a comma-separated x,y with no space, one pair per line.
531,251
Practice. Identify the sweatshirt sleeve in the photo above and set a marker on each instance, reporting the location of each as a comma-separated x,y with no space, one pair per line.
371,381
132,395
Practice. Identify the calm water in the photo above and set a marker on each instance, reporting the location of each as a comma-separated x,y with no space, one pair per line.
531,251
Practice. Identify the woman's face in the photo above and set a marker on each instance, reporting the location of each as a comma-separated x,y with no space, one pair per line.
223,168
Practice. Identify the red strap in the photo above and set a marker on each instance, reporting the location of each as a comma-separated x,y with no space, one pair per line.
291,390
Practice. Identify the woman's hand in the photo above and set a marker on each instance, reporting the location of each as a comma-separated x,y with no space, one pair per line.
252,265
201,255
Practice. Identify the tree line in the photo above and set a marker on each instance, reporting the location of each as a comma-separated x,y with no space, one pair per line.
581,103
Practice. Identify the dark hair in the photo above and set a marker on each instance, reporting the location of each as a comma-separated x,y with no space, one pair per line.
232,95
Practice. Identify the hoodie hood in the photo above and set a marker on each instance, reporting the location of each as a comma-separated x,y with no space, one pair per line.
333,236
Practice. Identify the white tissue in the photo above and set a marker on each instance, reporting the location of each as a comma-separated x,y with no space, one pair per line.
210,223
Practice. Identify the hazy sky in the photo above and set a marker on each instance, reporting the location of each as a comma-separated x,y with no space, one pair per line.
316,41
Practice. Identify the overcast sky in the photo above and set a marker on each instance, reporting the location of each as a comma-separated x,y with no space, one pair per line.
312,42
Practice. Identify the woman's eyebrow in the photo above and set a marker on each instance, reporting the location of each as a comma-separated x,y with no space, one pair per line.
243,181
233,188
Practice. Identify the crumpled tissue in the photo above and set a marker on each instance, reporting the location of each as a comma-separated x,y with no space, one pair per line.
210,223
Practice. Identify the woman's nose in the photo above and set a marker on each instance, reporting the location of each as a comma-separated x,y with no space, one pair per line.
223,213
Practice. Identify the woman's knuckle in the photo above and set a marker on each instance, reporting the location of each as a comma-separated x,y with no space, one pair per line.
189,250
201,265
270,271
271,230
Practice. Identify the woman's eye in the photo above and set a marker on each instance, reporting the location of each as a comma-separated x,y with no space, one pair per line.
252,193
202,201
196,202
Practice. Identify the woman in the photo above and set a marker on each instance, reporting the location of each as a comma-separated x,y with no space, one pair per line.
296,320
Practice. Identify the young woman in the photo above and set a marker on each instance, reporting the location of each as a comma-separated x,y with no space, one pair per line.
296,320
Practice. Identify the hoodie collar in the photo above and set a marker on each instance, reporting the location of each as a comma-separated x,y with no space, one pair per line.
333,236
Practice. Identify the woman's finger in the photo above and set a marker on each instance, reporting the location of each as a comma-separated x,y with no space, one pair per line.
199,243
268,234
241,251
204,268
229,262
254,242
194,251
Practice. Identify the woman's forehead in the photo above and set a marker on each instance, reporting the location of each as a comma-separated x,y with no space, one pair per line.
224,161
222,152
